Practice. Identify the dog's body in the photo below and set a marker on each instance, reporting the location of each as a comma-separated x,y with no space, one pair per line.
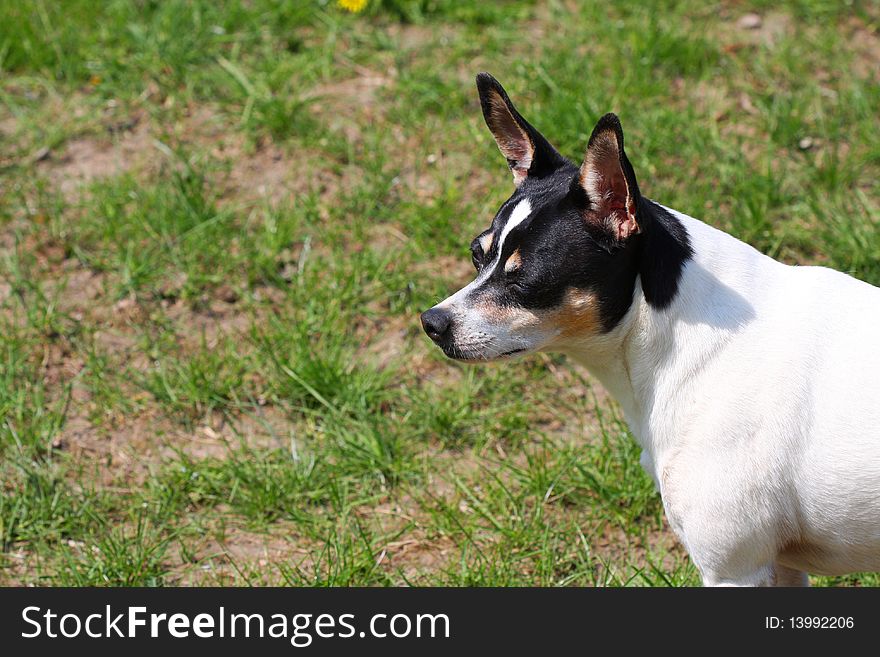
756,399
752,387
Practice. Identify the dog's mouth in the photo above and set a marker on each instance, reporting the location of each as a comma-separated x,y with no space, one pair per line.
464,355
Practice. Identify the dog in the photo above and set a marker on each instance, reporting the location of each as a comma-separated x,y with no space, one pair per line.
752,387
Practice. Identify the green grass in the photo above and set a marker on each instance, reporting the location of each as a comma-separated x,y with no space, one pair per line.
219,221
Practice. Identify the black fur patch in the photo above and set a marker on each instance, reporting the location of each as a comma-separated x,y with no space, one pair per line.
559,250
664,250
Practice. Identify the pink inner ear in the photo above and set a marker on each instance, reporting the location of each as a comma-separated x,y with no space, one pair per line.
617,192
628,226
603,179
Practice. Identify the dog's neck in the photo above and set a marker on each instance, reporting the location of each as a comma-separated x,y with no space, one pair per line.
611,360
649,359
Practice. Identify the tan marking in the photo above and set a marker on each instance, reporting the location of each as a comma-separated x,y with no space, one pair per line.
578,315
514,317
492,311
513,262
486,242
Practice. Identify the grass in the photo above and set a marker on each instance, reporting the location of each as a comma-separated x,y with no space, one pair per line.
219,221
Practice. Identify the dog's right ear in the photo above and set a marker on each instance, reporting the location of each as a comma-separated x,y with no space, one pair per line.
528,153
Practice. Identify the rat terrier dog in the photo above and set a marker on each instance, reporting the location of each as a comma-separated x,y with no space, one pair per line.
752,387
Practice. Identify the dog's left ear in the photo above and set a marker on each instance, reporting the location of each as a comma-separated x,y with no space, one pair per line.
609,181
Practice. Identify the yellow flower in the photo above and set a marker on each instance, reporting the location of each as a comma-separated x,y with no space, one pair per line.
353,6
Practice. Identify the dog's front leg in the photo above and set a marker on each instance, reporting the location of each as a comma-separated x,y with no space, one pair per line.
764,576
774,575
728,531
786,576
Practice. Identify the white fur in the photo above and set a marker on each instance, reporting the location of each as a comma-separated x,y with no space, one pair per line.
756,399
519,214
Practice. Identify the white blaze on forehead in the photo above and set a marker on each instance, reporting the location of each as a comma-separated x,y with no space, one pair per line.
520,213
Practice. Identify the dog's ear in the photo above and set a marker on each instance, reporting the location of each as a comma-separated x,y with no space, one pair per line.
528,153
609,181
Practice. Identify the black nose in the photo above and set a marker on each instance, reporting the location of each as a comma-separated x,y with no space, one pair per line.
436,323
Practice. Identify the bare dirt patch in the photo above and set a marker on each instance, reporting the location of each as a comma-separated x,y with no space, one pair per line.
751,29
212,321
268,174
348,105
410,36
224,553
88,158
130,449
417,553
249,171
353,93
8,127
864,40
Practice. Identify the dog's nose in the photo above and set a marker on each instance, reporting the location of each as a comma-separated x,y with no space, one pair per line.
436,323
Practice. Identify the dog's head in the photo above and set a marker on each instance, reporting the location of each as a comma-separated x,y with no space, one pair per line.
557,266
